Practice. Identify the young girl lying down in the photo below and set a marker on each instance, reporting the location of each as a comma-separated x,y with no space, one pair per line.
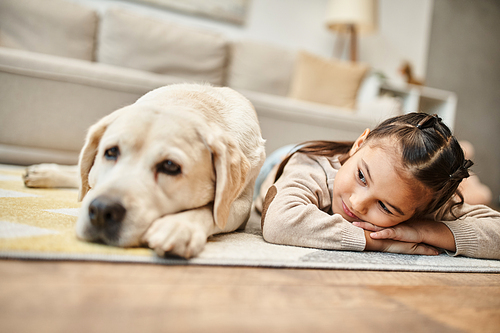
395,189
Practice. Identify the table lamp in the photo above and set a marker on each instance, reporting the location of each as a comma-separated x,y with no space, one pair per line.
352,17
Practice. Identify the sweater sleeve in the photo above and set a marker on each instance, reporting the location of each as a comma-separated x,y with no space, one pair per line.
476,229
297,210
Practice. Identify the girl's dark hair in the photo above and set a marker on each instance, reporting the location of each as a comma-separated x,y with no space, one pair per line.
428,150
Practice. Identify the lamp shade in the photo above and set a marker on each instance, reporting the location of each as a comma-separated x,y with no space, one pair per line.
360,13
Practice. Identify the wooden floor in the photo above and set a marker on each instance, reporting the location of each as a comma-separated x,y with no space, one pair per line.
40,296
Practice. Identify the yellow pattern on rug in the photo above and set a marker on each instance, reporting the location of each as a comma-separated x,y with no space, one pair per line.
43,220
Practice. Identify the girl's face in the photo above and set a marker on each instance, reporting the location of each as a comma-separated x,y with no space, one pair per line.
368,186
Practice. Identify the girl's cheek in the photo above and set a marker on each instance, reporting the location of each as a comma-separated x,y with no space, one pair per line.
378,218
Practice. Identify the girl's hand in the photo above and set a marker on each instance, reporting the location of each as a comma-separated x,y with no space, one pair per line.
404,232
429,232
396,246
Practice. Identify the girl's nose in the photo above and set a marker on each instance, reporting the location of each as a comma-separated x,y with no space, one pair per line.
359,202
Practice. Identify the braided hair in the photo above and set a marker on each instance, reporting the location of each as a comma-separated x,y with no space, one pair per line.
429,151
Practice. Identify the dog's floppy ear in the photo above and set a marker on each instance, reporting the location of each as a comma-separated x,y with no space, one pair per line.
231,172
89,151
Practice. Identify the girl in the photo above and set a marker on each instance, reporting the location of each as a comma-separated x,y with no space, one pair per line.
395,189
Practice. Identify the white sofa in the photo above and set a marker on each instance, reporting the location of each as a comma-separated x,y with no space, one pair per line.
63,66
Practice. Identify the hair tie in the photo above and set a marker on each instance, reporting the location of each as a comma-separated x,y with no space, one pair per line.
467,164
426,120
463,168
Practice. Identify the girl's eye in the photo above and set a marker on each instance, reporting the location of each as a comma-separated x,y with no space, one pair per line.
112,153
384,207
361,176
169,167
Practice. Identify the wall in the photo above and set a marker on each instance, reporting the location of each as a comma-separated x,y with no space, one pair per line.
299,24
464,57
403,34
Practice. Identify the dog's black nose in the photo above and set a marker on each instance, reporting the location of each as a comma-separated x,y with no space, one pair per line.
106,211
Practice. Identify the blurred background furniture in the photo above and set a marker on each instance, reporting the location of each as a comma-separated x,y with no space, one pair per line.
57,79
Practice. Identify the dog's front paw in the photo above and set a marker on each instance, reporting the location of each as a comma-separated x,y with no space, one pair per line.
172,234
40,175
50,175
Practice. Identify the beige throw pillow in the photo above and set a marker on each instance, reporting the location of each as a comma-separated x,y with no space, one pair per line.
260,67
145,43
57,27
326,81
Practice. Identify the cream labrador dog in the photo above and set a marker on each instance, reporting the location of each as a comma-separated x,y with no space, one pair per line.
168,171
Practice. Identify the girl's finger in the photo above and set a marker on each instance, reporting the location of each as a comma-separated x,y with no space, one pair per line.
400,233
367,226
388,233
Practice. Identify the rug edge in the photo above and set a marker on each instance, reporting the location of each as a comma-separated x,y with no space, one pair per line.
238,263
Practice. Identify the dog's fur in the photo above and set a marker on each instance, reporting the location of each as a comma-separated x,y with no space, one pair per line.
168,171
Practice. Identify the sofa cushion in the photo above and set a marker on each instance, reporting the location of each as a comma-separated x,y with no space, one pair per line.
56,27
260,67
326,81
141,42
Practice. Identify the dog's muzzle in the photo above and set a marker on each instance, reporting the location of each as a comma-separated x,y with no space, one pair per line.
106,214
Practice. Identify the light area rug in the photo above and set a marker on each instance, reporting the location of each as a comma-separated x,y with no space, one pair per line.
38,224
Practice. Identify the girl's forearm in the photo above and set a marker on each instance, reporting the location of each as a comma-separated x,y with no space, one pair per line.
437,234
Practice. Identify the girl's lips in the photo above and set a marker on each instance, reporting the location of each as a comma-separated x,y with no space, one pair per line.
348,212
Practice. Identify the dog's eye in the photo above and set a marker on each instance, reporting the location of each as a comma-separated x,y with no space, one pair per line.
169,167
112,153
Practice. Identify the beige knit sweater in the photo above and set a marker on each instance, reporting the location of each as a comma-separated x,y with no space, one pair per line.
297,210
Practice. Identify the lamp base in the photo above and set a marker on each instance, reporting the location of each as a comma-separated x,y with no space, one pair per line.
347,31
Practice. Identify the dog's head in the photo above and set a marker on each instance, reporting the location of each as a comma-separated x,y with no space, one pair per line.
140,163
